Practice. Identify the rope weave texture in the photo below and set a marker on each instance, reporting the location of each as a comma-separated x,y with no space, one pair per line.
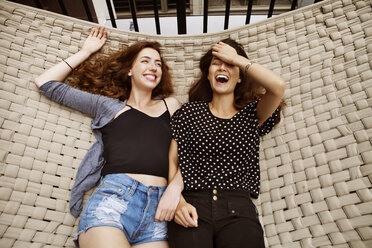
316,166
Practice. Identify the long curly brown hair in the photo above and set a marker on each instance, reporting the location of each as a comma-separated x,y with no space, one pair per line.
244,93
107,74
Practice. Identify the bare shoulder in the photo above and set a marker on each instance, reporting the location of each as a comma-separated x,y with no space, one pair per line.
173,104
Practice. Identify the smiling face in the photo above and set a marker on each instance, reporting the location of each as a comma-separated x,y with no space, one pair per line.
146,70
223,77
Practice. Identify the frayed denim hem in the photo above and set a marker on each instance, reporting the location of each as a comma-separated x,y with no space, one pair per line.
76,237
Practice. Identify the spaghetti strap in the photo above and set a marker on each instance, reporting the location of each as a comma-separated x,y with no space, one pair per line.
128,106
165,104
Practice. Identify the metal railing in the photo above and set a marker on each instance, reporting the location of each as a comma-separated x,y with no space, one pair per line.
181,12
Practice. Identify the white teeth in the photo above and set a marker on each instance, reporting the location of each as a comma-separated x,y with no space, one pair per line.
150,77
223,77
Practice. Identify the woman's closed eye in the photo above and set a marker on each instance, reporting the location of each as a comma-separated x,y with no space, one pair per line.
219,63
216,62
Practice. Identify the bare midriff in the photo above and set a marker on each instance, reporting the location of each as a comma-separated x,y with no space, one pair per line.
149,180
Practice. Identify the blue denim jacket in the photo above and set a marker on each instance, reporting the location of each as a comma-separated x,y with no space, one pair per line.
102,109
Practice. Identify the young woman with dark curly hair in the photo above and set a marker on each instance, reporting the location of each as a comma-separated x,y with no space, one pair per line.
215,145
127,95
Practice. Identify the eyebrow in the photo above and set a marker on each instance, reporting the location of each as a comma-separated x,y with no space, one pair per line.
147,57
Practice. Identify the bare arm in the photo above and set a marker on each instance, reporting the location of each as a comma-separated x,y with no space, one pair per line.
172,204
273,84
60,71
174,174
169,201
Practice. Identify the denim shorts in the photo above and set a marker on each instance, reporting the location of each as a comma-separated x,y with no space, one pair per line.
121,201
227,218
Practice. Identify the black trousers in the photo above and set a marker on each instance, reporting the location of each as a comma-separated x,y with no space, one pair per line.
227,219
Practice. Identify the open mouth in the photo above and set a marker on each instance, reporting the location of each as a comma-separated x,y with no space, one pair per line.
222,78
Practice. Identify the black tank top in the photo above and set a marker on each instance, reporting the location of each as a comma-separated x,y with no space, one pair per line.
135,142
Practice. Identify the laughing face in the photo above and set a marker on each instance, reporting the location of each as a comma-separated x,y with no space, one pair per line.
223,77
146,70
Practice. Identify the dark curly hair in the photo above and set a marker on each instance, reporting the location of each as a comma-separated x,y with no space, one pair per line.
108,74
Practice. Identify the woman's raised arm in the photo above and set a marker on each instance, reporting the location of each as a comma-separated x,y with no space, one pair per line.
60,71
273,83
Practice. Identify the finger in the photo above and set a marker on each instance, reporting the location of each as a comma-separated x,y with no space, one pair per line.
180,222
215,47
180,219
177,220
220,44
172,215
158,215
104,38
91,32
169,215
188,219
164,215
100,32
161,216
95,31
215,54
194,215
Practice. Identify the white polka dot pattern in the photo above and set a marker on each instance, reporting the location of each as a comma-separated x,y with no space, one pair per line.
219,153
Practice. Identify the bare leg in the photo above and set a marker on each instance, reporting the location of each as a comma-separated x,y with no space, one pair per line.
102,237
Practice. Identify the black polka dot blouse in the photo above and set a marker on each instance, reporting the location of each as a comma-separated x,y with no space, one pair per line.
215,153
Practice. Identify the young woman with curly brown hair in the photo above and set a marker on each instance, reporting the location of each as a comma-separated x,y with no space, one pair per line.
215,145
127,95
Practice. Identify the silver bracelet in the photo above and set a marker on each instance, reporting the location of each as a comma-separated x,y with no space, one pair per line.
248,65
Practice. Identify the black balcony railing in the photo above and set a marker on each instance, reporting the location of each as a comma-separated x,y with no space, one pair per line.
180,5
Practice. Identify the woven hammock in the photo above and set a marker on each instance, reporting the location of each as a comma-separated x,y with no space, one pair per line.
316,165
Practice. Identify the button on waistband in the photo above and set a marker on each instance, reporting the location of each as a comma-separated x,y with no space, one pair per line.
215,198
214,191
